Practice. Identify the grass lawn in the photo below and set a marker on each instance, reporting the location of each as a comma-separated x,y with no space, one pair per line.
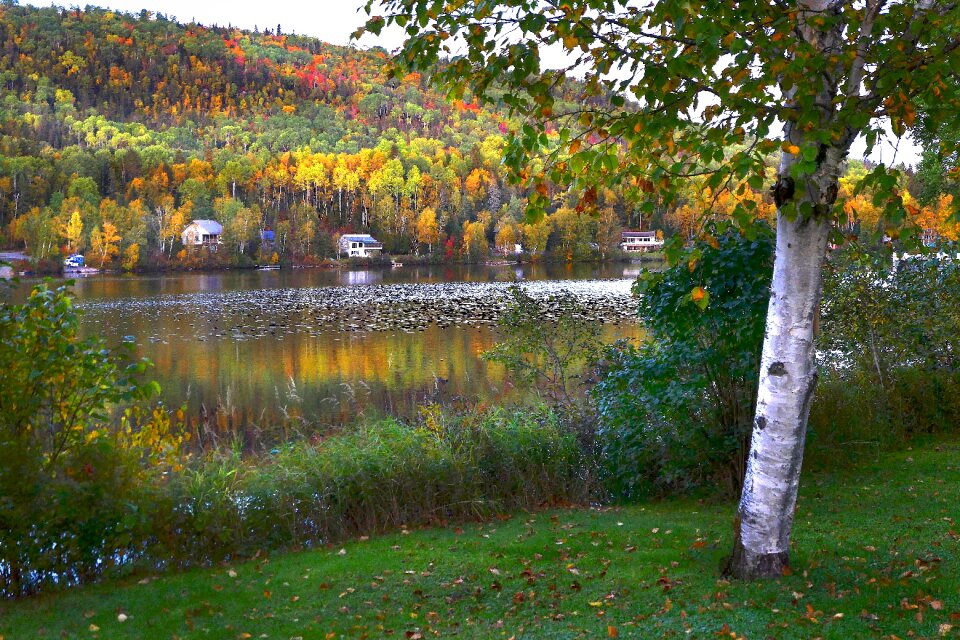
875,555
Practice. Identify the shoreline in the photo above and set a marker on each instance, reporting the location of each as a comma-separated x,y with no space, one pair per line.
395,262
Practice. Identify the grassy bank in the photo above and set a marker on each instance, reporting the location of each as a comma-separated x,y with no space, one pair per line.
875,555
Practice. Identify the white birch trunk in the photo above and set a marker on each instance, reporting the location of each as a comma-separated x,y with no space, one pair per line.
788,378
788,375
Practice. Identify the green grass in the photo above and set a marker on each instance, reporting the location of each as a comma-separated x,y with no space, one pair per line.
875,554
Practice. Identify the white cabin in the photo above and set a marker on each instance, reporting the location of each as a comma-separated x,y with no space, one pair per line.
359,245
640,241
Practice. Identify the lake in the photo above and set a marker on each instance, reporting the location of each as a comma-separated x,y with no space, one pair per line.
248,350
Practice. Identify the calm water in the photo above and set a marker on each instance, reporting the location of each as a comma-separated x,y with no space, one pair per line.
251,347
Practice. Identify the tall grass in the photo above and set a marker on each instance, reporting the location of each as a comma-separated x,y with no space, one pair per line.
371,478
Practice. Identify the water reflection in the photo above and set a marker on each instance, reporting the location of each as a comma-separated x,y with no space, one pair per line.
321,374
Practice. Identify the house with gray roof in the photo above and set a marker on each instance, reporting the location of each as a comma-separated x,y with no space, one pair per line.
202,233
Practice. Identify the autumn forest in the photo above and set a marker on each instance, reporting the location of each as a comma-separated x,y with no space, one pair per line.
119,129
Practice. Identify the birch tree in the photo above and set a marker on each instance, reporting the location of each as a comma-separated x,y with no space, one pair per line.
672,89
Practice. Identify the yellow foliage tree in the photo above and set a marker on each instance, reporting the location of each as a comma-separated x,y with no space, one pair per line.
860,210
475,239
105,242
536,234
131,256
175,225
506,236
428,231
935,221
609,232
72,231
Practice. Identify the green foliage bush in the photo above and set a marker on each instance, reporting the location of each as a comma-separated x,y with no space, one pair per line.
64,483
549,346
677,411
890,348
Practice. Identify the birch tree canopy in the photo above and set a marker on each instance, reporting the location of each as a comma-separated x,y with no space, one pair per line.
673,89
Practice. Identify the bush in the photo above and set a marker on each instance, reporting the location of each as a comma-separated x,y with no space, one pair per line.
890,353
65,483
876,321
549,346
677,411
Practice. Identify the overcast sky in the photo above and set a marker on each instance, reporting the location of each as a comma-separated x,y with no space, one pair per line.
330,20
333,21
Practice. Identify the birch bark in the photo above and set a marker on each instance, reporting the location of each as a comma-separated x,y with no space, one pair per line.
788,375
787,381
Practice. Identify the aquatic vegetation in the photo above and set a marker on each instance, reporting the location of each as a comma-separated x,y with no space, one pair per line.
243,315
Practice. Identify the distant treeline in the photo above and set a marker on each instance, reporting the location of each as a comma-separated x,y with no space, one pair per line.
118,129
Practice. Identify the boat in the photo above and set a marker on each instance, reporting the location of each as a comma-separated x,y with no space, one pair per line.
75,261
75,265
268,267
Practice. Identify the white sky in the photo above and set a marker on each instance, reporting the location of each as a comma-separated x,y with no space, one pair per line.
333,21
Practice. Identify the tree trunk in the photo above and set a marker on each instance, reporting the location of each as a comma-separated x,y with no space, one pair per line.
788,374
788,378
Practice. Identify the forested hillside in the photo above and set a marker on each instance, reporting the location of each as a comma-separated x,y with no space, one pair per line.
118,129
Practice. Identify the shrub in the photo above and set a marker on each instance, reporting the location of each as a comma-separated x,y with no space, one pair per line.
890,346
65,483
876,320
549,346
678,410
372,478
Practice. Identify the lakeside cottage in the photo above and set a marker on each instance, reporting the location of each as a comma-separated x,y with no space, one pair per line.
640,241
359,245
202,233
